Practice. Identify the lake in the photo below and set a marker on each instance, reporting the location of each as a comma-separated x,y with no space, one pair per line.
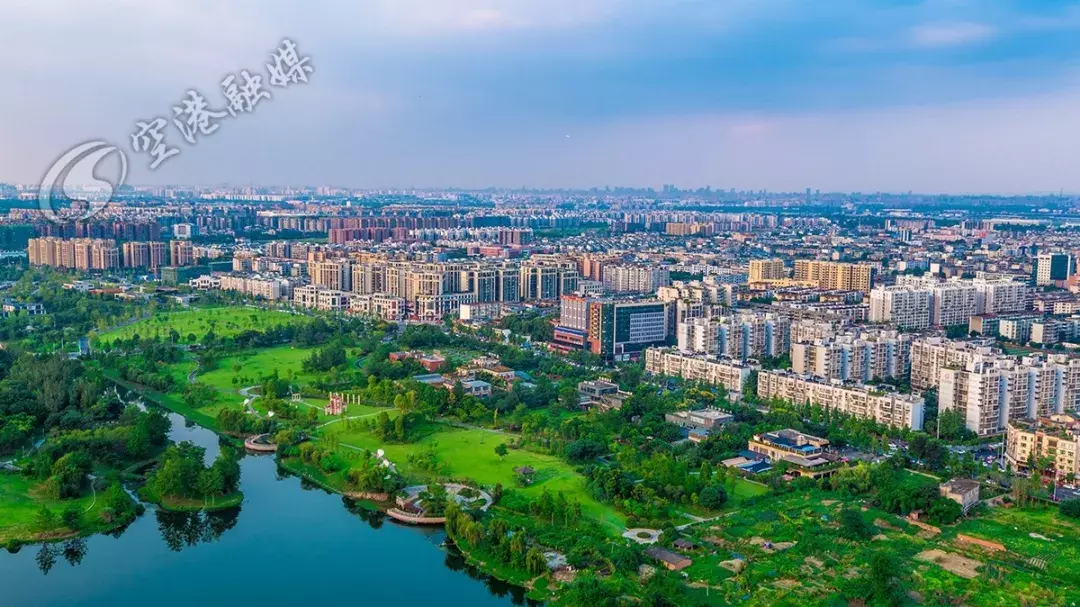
289,543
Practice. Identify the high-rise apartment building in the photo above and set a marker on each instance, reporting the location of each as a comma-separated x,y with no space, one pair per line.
767,269
906,307
854,356
888,408
991,391
181,253
635,279
835,275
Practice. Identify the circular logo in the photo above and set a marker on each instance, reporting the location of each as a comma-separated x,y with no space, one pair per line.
73,174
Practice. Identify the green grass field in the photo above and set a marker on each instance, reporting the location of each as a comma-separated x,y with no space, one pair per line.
20,502
255,365
470,453
223,321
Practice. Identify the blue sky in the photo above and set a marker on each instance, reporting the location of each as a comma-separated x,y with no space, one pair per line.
934,96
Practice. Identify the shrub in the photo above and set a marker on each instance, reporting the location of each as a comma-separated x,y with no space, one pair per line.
713,497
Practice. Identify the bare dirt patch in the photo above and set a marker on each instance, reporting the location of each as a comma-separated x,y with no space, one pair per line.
951,562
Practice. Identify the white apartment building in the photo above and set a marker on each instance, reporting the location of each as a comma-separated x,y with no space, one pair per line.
906,307
931,354
888,408
740,336
991,391
635,279
327,300
999,296
378,305
854,356
952,303
731,374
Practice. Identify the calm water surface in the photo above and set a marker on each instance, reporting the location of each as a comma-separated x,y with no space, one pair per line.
289,543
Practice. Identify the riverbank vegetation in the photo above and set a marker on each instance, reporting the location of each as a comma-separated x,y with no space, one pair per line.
181,481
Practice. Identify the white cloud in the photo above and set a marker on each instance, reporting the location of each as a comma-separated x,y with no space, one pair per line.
943,35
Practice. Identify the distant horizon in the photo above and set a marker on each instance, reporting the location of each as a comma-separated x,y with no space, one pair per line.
593,189
878,96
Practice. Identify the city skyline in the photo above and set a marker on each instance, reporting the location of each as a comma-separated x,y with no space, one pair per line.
931,97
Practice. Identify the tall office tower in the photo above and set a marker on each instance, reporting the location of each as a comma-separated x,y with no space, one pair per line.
1052,267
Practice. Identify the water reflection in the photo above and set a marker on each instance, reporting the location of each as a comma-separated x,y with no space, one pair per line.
186,529
308,525
72,551
455,561
374,518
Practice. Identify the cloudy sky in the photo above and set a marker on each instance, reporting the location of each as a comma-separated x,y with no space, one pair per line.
852,95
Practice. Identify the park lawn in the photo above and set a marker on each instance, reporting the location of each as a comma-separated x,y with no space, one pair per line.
742,491
21,500
470,454
255,365
224,321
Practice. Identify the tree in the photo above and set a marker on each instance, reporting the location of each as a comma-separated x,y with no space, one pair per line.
535,562
713,497
45,519
69,474
1071,508
72,517
501,450
884,585
853,526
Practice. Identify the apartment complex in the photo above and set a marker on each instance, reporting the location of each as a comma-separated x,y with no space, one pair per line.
835,275
762,270
1054,437
738,336
77,253
891,409
932,354
728,373
181,253
144,255
635,279
1000,296
854,356
952,303
905,306
991,391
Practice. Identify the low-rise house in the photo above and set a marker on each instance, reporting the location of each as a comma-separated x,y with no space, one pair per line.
671,560
603,395
700,422
432,362
962,491
476,387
